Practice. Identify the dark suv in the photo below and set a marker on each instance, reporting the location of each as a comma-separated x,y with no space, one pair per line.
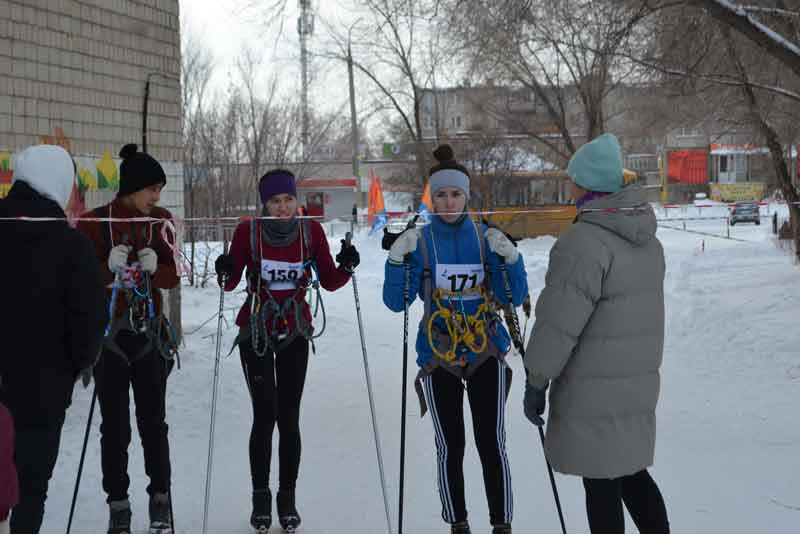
745,212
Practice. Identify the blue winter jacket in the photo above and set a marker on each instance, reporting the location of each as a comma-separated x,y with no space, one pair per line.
455,245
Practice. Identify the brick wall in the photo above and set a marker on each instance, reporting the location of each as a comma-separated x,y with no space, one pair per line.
73,72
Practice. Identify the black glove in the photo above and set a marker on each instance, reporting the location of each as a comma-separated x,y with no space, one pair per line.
535,400
224,267
526,305
388,238
348,257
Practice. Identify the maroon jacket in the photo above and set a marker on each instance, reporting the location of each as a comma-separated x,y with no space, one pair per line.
330,276
136,234
9,488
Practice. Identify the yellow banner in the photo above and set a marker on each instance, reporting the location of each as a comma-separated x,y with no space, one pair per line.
753,191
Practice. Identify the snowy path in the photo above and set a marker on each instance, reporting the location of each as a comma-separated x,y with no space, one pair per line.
727,454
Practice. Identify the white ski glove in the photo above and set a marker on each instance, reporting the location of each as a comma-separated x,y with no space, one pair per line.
149,260
118,258
405,244
501,245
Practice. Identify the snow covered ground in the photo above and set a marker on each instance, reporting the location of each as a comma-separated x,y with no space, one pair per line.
728,449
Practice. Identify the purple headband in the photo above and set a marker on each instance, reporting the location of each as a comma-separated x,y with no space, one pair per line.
276,182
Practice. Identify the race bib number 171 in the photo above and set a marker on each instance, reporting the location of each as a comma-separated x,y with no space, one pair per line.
457,278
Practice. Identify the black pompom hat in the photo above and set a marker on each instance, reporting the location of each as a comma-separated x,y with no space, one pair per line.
138,171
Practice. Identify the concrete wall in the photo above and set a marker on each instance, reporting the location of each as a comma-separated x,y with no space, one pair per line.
72,72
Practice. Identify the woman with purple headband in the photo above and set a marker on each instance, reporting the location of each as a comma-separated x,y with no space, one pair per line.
285,256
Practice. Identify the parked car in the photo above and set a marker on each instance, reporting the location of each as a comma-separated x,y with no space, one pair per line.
745,212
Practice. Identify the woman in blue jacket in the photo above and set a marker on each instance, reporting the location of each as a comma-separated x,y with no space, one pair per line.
462,271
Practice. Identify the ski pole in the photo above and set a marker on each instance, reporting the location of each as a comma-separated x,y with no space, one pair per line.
526,307
83,458
348,238
111,304
553,484
214,403
519,343
148,281
406,290
516,336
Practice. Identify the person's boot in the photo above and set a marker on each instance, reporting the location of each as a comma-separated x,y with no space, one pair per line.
287,511
462,527
119,520
160,518
502,528
261,518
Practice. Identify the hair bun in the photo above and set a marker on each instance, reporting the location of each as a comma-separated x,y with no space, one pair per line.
128,150
444,153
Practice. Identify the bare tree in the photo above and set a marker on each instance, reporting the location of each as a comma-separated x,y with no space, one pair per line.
196,72
393,46
710,62
565,52
780,45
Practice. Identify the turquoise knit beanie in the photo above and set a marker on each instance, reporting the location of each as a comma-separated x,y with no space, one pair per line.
597,166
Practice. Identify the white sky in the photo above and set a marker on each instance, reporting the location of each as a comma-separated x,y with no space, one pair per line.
228,26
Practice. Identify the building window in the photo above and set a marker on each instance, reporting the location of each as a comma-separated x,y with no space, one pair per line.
458,122
688,132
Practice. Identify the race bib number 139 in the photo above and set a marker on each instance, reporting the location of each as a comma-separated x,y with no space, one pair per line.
281,274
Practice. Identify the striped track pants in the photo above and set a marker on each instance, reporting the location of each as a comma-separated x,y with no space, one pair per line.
486,392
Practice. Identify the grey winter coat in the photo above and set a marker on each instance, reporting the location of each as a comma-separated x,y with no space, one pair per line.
599,338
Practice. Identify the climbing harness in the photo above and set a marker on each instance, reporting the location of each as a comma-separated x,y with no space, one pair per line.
452,332
135,286
265,276
449,325
461,327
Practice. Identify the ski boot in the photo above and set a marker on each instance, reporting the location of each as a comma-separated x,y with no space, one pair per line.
119,521
287,512
160,517
462,527
502,528
261,518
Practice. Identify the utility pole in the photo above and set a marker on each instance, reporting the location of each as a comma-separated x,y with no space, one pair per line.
354,123
305,29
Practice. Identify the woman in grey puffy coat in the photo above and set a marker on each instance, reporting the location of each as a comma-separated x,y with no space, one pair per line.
598,341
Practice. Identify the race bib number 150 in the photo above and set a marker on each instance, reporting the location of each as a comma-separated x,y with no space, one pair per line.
281,274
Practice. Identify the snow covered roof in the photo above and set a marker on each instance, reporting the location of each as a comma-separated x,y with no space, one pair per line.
508,158
727,150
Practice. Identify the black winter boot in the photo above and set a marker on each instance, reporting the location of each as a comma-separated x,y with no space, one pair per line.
287,512
119,521
261,518
160,518
503,528
462,527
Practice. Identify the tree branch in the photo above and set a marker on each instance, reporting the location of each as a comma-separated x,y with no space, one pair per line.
737,18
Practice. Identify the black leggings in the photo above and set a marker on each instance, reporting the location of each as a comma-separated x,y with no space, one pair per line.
639,492
276,388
